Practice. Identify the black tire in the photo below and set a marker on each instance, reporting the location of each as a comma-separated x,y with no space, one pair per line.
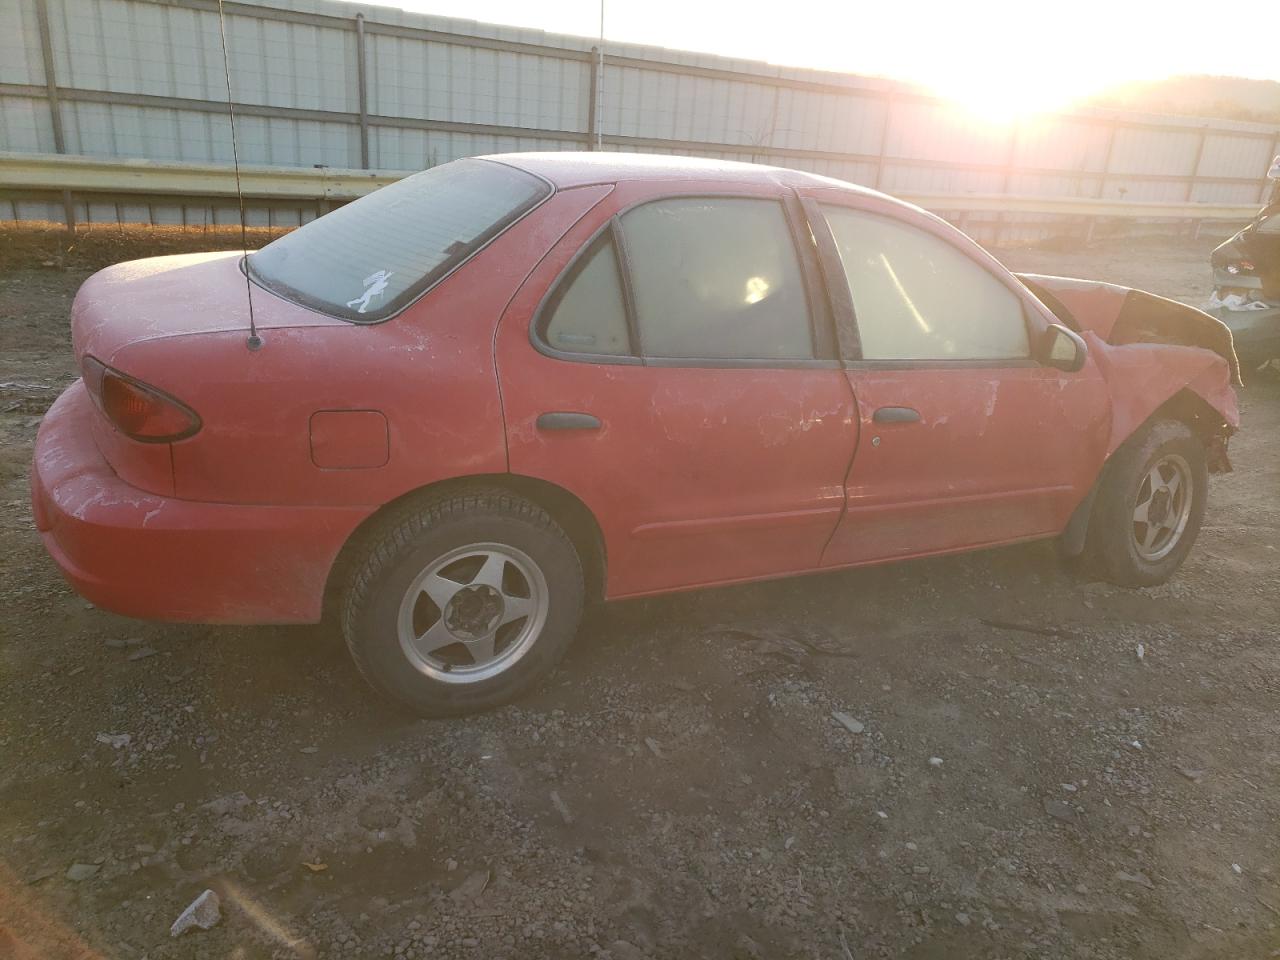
405,545
1112,548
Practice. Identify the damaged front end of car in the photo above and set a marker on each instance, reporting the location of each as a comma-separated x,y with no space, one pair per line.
1158,355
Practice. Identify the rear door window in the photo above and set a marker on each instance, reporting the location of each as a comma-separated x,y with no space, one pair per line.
371,258
716,278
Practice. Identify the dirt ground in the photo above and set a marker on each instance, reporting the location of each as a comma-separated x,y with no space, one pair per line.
680,787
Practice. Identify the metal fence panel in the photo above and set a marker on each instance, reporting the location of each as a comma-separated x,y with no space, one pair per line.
327,83
121,130
1231,155
1141,150
128,46
20,58
1215,192
1129,188
1050,185
928,131
1063,143
25,125
441,81
398,149
30,210
135,48
900,178
852,171
832,122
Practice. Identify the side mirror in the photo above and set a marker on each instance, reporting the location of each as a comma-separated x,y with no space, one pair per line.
1062,349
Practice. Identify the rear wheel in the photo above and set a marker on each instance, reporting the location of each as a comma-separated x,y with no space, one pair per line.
461,603
1150,506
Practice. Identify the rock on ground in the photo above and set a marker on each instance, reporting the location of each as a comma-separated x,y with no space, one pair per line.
204,913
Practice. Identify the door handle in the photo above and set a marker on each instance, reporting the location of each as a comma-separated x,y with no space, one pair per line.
896,415
567,421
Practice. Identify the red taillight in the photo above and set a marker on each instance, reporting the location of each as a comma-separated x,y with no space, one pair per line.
138,411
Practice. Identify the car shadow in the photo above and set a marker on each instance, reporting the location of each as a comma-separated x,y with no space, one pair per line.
259,666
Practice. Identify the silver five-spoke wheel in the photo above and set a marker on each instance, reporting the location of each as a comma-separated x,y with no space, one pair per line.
473,613
1162,507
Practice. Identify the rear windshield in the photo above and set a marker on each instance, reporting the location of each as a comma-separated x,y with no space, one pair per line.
369,259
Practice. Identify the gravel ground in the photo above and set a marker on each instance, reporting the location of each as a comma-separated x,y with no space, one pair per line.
681,787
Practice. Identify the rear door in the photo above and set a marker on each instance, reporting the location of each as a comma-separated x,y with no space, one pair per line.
672,365
966,440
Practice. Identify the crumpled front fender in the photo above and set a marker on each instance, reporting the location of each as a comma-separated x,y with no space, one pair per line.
1122,315
1154,353
1144,377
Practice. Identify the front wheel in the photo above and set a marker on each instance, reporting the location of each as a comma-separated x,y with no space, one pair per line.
1150,506
461,603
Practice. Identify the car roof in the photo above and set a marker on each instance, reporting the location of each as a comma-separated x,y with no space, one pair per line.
567,169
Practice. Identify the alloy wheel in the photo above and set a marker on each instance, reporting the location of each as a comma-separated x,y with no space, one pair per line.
471,614
1162,507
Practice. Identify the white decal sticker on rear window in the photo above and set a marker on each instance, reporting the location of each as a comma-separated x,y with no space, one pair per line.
374,286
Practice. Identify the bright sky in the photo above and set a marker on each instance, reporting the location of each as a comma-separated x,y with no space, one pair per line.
1000,57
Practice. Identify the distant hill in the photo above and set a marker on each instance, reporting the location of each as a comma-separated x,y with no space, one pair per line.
1228,98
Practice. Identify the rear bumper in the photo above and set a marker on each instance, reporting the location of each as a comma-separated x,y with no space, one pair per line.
1256,333
161,558
1222,278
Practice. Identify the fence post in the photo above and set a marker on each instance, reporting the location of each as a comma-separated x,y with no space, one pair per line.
1195,166
1102,176
884,140
55,108
1191,180
363,89
592,96
1106,161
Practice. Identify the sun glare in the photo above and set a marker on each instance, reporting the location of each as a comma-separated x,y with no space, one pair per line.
999,60
998,101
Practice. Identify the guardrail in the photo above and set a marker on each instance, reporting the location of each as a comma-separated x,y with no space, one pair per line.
26,174
79,174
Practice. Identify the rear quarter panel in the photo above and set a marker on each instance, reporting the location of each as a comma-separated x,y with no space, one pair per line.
429,370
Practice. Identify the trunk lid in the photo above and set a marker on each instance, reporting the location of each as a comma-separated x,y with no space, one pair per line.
174,296
165,297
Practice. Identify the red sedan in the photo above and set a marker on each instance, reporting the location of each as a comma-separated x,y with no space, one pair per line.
508,385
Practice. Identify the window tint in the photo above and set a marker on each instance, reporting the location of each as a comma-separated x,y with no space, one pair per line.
588,315
919,298
366,260
716,278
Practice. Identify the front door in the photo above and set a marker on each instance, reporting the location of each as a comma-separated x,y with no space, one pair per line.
965,439
679,379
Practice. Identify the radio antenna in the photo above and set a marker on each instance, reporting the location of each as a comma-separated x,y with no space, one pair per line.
254,341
